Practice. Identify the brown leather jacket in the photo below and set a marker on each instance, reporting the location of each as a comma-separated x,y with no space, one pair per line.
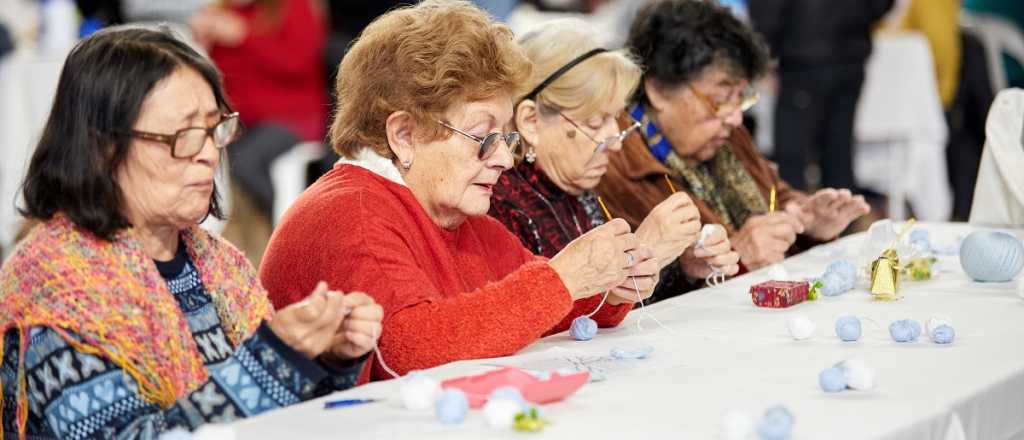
635,182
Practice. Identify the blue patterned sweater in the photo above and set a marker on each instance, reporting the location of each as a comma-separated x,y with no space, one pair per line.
74,395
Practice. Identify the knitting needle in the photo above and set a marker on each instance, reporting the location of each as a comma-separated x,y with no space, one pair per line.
771,201
607,215
671,187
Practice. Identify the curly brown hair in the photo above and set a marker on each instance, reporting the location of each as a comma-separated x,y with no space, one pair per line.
422,59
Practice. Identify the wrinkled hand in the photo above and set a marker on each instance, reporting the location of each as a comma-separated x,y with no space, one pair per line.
309,326
360,330
671,227
645,273
716,252
764,239
215,25
828,212
596,261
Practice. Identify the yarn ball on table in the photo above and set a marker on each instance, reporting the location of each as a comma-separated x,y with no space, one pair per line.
777,424
833,284
508,392
921,239
800,327
844,268
452,407
418,391
858,374
737,425
832,380
583,328
942,334
935,321
501,413
991,256
904,330
848,328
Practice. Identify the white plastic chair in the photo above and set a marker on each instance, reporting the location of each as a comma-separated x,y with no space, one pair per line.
288,174
999,192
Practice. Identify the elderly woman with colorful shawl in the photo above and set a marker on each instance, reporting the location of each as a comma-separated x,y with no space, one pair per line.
120,316
425,97
699,62
569,126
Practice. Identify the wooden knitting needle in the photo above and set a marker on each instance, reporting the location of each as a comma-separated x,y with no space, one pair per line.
671,187
607,215
771,201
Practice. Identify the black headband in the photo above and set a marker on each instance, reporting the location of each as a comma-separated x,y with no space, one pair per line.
561,71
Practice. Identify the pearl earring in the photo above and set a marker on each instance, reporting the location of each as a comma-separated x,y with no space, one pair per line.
530,155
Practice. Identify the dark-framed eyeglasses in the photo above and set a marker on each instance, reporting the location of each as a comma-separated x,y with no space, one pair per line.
189,141
488,143
747,98
610,142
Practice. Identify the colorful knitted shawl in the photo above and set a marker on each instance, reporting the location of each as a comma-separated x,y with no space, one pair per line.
110,295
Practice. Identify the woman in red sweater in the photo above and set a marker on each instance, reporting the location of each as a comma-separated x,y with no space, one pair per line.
424,95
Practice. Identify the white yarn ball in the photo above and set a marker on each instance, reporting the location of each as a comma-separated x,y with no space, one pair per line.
859,375
801,327
737,425
705,232
501,413
935,321
991,256
419,392
778,272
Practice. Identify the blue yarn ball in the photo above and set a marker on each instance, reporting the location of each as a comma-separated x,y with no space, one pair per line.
904,330
833,284
832,380
848,328
915,329
844,268
452,407
943,334
508,392
921,239
777,424
583,328
991,256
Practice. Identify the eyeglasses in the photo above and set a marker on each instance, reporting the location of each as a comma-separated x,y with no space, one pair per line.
490,142
610,142
189,141
748,97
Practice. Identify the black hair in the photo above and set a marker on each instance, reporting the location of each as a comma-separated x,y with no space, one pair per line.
102,86
675,40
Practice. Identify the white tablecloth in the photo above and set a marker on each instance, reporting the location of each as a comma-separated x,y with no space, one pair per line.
900,128
28,81
721,353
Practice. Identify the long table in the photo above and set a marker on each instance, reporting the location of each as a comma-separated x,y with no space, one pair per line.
717,353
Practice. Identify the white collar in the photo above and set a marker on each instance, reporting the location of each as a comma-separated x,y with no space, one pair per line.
375,163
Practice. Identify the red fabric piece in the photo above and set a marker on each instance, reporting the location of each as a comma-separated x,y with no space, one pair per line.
468,293
276,74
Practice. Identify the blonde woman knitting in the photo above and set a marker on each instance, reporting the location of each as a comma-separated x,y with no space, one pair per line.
120,317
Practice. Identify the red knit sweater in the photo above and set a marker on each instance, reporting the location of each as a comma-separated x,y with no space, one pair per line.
473,292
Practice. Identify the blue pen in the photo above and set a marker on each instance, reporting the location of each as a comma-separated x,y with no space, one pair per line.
347,402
